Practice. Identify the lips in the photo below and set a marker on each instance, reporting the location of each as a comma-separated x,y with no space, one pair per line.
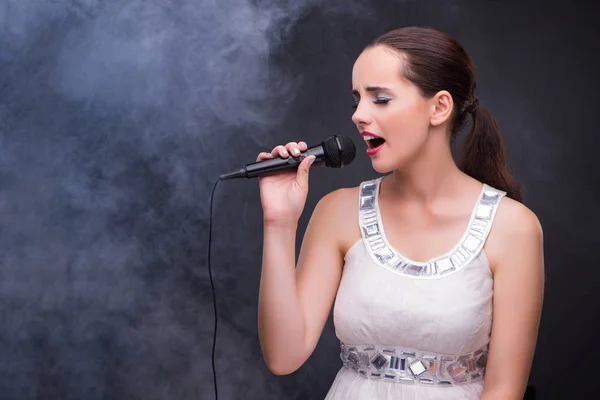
373,141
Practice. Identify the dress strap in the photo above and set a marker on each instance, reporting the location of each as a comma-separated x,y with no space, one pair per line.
468,247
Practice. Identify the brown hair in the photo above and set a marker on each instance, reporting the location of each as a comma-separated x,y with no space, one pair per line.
434,62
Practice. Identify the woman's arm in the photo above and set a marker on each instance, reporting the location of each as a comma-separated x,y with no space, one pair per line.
295,301
518,297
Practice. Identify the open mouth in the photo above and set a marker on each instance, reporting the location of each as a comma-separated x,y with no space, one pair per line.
373,141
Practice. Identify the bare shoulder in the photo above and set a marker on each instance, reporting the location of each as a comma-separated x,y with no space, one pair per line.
516,228
514,217
341,198
339,209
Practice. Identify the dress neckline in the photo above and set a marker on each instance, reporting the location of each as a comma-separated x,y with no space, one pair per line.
435,258
468,247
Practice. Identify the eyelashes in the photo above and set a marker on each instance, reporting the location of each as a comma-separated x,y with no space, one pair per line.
379,100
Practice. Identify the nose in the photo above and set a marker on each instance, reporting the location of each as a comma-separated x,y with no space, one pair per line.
361,117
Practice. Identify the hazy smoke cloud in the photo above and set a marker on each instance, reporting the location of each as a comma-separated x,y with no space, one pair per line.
204,57
110,114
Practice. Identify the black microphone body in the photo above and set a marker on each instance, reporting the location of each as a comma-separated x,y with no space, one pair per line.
335,152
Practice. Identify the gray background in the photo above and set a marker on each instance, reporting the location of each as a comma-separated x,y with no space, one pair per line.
116,118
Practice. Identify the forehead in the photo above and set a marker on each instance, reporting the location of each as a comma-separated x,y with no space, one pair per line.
377,65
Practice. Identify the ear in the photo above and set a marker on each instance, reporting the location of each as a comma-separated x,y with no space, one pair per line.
441,106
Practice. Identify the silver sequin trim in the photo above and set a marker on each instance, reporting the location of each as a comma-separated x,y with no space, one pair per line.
396,364
464,252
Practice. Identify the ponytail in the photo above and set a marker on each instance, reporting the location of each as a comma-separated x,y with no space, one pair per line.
484,156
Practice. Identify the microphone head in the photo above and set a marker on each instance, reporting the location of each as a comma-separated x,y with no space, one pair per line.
339,151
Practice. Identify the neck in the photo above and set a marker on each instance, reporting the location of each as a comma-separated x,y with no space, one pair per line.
433,174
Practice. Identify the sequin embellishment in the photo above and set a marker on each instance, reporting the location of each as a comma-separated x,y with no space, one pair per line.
412,366
464,252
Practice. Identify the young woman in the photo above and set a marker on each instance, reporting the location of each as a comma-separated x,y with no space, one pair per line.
435,271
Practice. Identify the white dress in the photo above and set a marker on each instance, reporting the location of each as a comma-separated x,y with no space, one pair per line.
410,330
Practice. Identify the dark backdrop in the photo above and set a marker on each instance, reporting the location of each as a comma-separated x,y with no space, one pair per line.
116,118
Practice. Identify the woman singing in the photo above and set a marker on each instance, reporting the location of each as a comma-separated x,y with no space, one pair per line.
434,270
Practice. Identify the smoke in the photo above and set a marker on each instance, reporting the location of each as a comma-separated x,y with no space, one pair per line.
110,116
208,58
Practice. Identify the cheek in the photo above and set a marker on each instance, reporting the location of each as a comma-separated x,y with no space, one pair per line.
407,125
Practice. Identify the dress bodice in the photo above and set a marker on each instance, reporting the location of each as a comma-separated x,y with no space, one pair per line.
420,312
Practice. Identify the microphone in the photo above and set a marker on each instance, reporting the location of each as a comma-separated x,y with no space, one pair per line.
335,151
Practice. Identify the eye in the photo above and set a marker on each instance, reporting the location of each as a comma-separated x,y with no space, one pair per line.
378,100
381,100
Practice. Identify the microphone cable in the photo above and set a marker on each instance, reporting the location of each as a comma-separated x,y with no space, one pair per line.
212,285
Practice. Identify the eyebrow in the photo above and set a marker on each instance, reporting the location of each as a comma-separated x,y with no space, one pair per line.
371,89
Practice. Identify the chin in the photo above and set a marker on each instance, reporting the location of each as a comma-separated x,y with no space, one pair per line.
381,167
393,161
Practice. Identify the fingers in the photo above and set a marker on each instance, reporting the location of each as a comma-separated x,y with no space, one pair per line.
263,156
292,148
280,151
295,148
302,146
284,151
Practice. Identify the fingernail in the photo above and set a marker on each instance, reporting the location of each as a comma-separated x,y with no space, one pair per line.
312,161
284,151
296,151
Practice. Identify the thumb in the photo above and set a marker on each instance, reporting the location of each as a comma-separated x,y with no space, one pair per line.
303,170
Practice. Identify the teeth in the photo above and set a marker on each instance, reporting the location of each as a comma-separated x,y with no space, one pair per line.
369,137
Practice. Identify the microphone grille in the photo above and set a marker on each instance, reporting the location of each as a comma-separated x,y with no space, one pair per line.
339,151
